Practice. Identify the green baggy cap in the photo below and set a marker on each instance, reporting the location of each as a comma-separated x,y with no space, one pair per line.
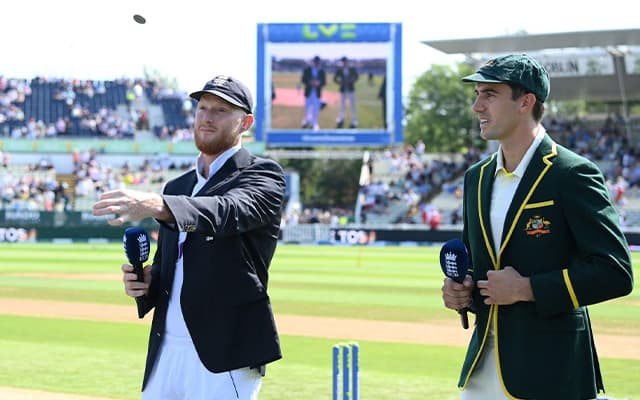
519,69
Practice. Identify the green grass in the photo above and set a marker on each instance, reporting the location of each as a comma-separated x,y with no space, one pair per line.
87,357
378,283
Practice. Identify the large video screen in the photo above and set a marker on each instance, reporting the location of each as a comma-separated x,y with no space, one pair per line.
329,85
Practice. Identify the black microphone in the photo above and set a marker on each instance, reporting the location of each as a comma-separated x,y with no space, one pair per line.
136,247
454,261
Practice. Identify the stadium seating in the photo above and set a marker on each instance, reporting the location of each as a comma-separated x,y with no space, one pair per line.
83,104
412,182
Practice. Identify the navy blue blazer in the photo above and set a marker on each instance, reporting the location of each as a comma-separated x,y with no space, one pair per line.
307,77
233,224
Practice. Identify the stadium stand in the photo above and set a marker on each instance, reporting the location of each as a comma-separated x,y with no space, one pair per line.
403,186
110,109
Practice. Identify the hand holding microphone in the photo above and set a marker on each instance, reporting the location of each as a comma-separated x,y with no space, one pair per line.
454,261
136,247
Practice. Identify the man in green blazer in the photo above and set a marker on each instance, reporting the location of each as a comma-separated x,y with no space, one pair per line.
544,242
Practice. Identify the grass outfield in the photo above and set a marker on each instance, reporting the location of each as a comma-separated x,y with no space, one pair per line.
378,283
368,105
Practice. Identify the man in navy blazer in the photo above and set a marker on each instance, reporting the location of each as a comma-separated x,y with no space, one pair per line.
313,79
213,328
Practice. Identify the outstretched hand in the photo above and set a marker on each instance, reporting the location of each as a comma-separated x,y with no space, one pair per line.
129,205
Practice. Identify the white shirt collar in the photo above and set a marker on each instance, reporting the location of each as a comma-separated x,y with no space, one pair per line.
522,166
217,163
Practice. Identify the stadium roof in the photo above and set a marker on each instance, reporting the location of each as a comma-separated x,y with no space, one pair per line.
617,86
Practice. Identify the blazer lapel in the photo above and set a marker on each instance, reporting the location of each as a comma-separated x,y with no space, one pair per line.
537,168
228,171
183,184
485,188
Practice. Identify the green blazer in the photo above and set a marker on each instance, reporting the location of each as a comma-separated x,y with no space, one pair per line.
562,231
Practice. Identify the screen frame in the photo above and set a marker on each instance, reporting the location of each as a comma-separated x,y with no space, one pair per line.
315,34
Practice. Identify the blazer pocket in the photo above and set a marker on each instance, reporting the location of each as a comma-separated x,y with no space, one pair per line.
539,204
568,322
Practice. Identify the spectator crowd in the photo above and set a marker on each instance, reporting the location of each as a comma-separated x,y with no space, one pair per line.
416,175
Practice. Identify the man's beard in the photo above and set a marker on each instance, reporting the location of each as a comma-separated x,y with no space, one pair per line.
212,144
210,148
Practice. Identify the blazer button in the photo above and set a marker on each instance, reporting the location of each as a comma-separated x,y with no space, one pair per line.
189,228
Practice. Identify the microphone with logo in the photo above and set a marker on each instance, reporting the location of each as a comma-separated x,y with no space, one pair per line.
454,261
136,247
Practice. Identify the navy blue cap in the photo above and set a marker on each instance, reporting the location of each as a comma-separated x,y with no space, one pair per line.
228,89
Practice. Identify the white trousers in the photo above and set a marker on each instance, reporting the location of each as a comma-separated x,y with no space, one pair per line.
312,108
348,97
484,383
179,375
